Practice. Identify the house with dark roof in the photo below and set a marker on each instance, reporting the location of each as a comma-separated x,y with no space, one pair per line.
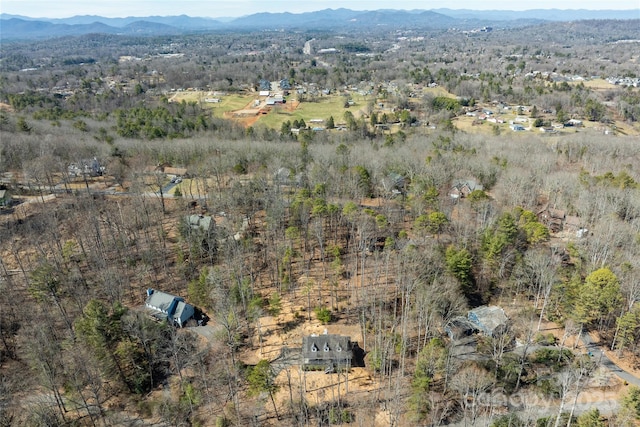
395,183
327,352
284,84
163,306
264,84
552,218
460,327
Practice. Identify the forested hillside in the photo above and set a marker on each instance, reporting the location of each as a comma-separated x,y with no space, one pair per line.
390,187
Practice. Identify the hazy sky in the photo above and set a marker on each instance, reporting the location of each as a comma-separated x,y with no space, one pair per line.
228,8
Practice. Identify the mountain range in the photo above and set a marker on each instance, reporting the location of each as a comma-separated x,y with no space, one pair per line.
16,27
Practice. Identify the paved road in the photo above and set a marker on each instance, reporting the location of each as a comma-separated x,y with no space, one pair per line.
601,357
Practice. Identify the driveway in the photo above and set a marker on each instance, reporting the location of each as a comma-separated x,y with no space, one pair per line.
208,331
601,357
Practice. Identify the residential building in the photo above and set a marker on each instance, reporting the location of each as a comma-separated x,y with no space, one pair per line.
164,306
464,188
327,352
491,320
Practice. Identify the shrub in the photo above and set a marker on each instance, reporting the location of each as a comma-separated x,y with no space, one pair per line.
511,420
552,357
323,314
544,339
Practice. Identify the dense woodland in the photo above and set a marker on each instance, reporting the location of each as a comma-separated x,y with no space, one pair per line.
359,234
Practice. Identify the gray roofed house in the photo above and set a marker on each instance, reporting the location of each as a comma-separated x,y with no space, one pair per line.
464,188
328,352
491,320
202,227
164,306
460,327
200,222
276,99
395,183
86,167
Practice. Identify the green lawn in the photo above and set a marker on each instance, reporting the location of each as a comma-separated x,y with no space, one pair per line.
232,103
325,107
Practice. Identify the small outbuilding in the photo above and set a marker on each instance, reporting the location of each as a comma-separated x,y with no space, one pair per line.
163,306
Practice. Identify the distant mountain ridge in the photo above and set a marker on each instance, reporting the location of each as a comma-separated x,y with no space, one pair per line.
14,27
541,14
18,29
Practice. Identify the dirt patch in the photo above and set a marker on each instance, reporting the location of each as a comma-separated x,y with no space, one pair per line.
248,121
287,330
291,105
250,114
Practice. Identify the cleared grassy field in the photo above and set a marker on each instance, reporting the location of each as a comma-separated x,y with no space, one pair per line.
230,102
324,108
438,91
333,105
194,187
598,84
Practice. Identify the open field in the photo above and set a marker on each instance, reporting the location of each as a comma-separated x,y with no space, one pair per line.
240,107
322,110
597,84
228,102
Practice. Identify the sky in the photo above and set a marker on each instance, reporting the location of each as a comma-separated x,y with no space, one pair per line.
236,8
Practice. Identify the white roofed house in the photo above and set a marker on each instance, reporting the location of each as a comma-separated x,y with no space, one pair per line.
164,306
275,99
